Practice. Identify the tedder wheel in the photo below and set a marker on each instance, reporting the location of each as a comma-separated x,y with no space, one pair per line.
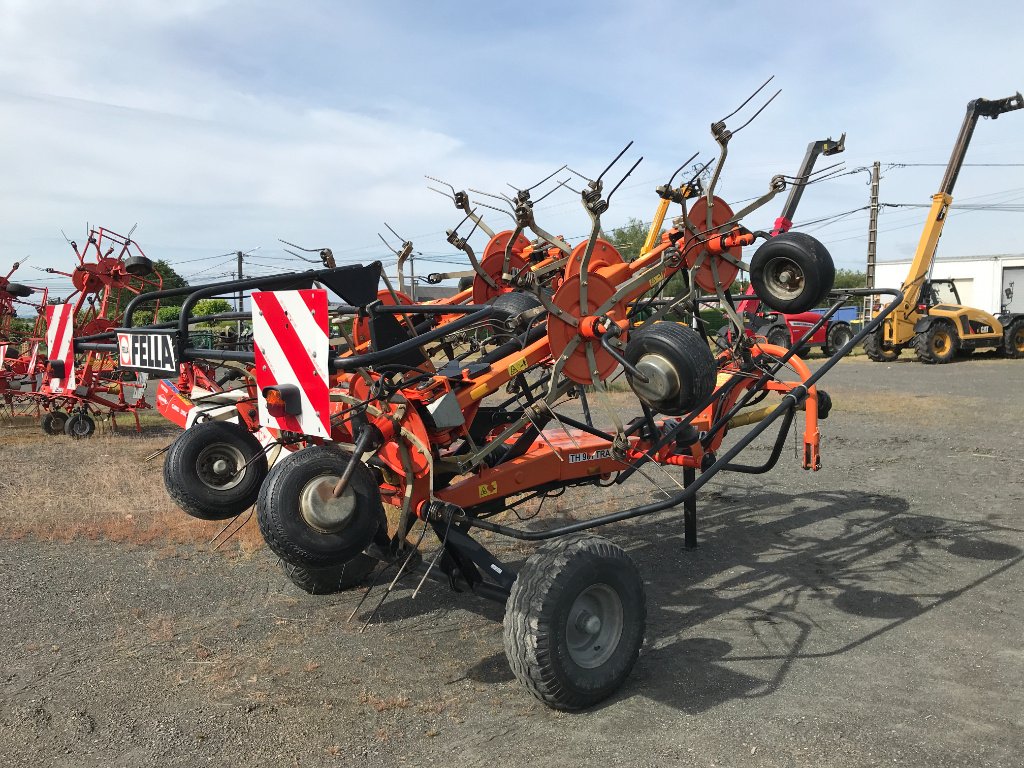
512,305
938,343
214,470
327,581
1013,339
18,290
877,349
79,426
677,363
53,422
139,266
838,335
792,272
574,622
304,524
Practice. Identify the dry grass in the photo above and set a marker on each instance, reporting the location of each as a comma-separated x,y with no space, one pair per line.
59,489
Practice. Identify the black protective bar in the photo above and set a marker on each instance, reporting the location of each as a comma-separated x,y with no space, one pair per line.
689,492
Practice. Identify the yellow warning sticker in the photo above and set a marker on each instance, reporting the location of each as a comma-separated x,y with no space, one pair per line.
517,367
488,489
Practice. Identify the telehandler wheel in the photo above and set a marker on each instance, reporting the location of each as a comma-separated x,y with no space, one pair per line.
214,470
53,422
677,363
328,581
304,524
1013,339
878,350
79,426
792,272
575,620
838,335
936,344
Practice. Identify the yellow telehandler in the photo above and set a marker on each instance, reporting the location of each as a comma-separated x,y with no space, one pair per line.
939,328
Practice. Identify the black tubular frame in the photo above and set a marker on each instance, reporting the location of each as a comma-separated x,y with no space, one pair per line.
687,496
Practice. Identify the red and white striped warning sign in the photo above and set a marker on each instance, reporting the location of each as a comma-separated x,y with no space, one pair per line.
290,336
3,353
60,328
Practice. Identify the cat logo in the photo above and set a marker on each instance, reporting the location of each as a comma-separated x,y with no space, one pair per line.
517,367
489,489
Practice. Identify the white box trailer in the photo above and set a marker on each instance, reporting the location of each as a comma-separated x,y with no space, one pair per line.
992,283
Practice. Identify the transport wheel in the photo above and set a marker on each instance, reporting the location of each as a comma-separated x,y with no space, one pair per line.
465,283
328,581
512,305
1013,339
79,426
574,622
304,524
792,272
214,469
936,344
878,350
838,335
53,422
677,363
139,266
18,291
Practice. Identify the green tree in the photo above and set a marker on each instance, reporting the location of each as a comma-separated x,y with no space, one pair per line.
629,238
850,278
211,307
168,314
171,279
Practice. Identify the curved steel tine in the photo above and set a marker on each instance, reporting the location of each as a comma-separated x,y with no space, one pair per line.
763,106
613,162
741,106
609,198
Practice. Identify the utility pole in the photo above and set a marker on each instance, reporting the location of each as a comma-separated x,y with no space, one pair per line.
238,323
868,312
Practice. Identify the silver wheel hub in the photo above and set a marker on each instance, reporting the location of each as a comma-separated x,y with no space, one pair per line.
783,277
662,379
594,626
220,466
321,510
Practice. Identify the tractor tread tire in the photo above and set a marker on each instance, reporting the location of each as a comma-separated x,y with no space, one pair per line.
924,344
837,335
191,493
875,349
535,620
1013,339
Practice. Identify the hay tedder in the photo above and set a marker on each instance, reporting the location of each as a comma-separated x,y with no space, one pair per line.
462,416
111,268
21,365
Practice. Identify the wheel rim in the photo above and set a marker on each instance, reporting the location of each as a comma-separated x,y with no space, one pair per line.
219,466
594,626
321,510
784,278
940,343
1018,340
79,427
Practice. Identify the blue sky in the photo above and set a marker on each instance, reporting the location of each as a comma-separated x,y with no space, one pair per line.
220,125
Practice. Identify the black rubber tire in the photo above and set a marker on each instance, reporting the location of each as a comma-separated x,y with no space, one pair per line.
18,291
937,344
188,460
79,426
512,305
877,350
537,629
964,352
329,581
780,337
807,262
465,283
288,534
1013,339
53,422
139,266
837,335
688,354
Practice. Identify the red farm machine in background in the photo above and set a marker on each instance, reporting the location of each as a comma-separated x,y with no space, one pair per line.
21,364
111,269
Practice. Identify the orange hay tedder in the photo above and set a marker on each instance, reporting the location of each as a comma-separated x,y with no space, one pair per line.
464,415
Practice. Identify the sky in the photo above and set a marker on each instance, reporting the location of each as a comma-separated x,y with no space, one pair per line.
218,126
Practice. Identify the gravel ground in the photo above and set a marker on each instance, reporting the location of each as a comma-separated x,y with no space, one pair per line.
867,614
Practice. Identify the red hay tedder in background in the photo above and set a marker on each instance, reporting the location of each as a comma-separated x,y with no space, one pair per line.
111,269
21,365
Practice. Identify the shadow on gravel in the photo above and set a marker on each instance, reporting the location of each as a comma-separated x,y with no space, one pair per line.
783,577
772,569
